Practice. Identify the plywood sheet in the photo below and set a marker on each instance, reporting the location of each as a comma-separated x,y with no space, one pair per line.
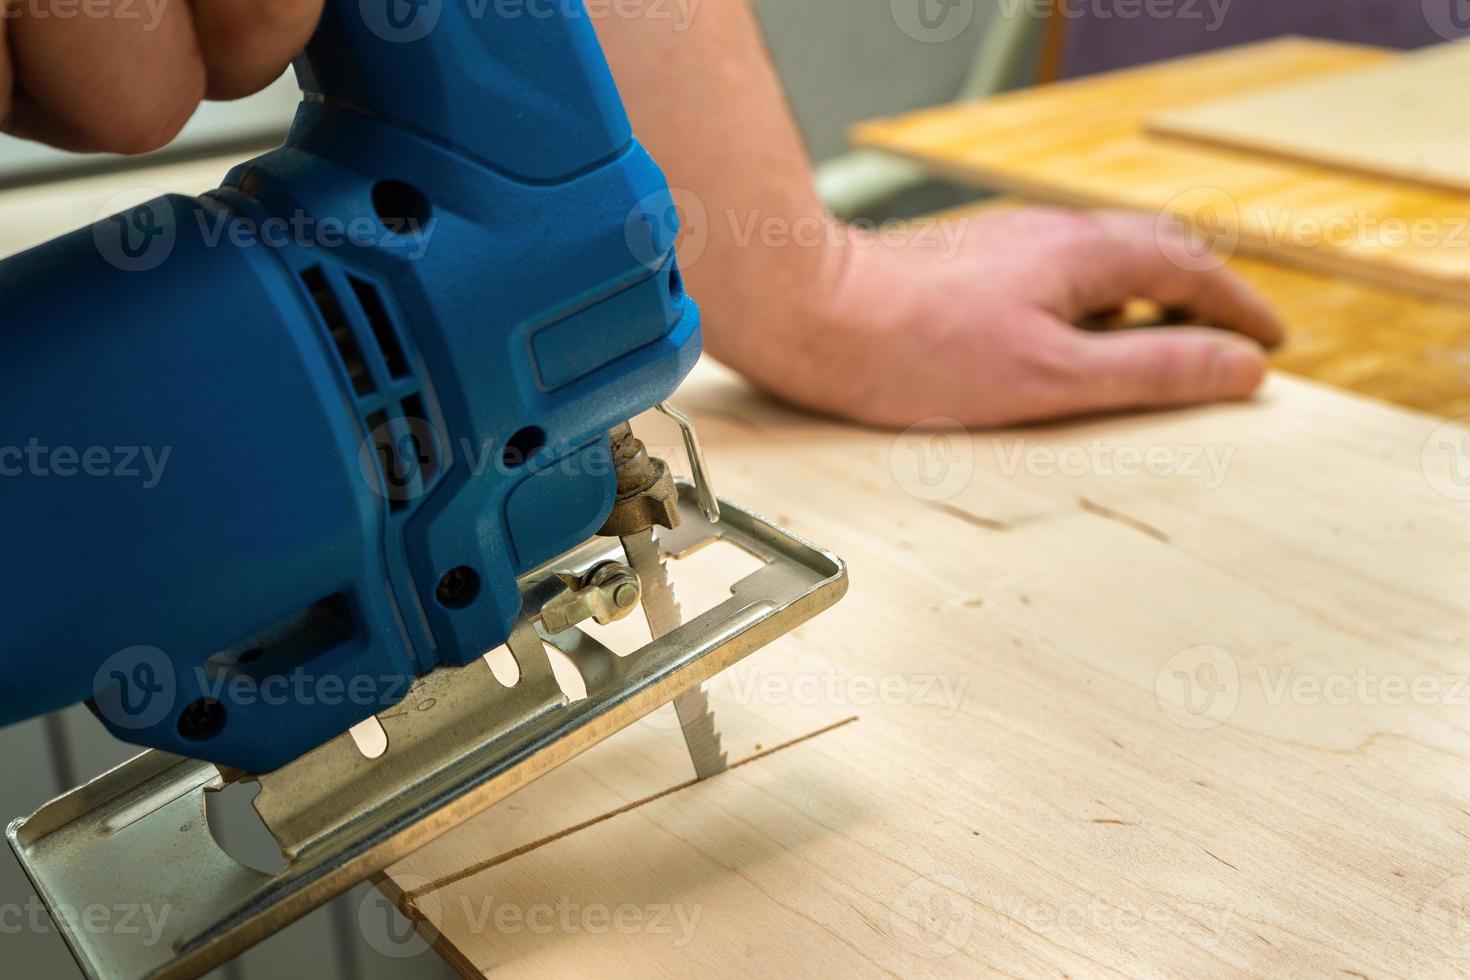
1175,694
1403,121
1084,142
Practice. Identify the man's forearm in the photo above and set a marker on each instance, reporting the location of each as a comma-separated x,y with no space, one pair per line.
705,100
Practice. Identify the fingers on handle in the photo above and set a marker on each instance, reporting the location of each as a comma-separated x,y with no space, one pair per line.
121,77
1136,255
247,44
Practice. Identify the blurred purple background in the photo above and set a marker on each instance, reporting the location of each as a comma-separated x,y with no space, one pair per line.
1096,42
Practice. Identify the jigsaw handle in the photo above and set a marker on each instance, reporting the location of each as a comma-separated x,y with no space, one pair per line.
526,91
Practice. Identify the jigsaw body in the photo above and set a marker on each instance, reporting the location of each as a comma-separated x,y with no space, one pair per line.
387,371
382,361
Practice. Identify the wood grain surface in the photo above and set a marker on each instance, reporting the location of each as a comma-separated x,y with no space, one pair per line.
1402,120
1174,694
1084,142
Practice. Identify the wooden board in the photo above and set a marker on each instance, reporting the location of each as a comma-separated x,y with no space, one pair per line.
1083,142
1105,724
1399,121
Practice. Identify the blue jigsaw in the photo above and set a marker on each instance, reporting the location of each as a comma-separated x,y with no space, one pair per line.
381,380
374,373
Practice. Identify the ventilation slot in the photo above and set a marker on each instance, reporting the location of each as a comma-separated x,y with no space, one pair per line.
331,310
290,643
383,332
424,441
390,467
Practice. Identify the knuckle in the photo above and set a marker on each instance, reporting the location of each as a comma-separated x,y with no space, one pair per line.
286,14
146,125
1052,372
149,131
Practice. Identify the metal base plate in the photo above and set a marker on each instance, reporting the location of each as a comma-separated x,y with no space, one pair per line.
458,743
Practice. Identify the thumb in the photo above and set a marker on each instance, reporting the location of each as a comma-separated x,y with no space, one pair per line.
1158,368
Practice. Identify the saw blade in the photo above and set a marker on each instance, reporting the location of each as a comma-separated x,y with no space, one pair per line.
661,609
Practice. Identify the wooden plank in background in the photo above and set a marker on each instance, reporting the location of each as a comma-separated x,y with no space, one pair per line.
1402,121
1073,753
1083,143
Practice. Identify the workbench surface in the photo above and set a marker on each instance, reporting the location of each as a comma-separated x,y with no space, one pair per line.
1170,693
1175,694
